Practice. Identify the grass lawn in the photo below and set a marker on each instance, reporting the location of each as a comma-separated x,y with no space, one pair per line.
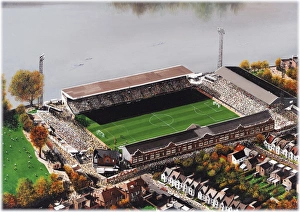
148,207
160,123
18,151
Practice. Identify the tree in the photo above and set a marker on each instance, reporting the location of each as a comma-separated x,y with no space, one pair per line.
38,136
56,186
25,193
260,138
23,117
214,156
265,64
245,65
211,173
41,188
9,201
267,75
20,109
278,63
254,66
292,73
26,85
6,105
28,125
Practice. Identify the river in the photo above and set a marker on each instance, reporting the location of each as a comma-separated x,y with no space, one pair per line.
92,41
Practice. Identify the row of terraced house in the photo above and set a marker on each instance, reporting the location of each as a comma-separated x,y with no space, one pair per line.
286,147
194,188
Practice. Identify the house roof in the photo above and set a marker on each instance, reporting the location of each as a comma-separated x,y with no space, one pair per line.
99,87
167,171
239,147
188,181
211,193
102,153
174,175
239,155
181,178
253,160
110,194
266,165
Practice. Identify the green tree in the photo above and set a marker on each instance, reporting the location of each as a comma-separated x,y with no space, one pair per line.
245,65
6,105
38,137
211,173
26,86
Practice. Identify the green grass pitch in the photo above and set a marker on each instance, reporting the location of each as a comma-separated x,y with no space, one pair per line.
17,151
160,123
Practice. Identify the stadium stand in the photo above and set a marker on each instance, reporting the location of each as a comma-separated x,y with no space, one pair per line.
123,90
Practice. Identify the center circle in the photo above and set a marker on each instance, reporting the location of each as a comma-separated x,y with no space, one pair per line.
161,120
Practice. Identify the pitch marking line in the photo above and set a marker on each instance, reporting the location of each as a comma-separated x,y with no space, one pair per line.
121,126
167,124
213,108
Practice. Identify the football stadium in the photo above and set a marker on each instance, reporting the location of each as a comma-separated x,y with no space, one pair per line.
166,112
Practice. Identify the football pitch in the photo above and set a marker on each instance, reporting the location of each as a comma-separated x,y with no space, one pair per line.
131,130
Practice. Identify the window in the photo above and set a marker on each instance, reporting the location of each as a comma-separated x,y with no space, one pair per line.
184,148
168,152
201,144
173,150
190,147
140,158
152,156
211,141
134,160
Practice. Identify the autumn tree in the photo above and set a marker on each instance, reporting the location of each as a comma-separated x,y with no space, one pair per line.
25,193
20,109
41,188
56,186
9,201
28,125
267,75
245,65
292,73
6,105
26,85
278,63
265,64
214,156
38,137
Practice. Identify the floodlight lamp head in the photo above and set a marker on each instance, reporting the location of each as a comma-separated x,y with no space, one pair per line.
221,30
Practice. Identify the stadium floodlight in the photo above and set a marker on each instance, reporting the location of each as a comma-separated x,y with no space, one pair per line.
221,33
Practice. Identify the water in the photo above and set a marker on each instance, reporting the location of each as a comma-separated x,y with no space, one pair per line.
87,42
